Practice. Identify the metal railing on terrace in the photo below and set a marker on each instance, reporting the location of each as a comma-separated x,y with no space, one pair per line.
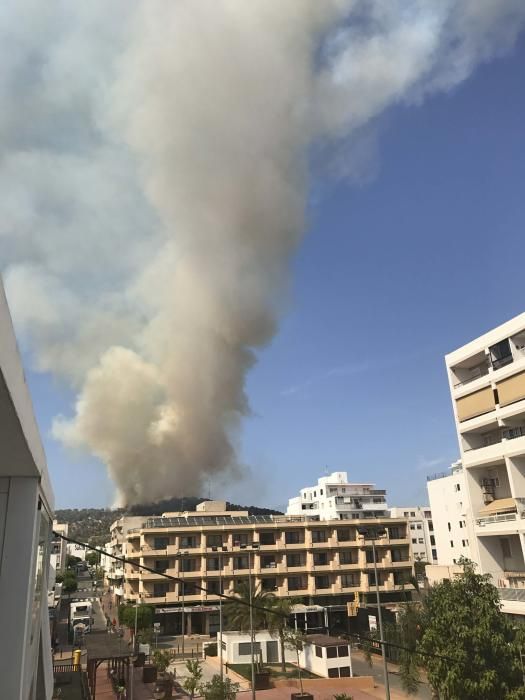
512,594
439,475
483,371
502,518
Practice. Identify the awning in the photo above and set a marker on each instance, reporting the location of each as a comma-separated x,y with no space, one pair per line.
500,505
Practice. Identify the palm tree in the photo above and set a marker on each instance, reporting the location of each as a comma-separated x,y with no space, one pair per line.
237,610
277,621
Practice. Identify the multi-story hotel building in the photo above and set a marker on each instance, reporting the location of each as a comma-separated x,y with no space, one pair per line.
322,563
487,384
334,498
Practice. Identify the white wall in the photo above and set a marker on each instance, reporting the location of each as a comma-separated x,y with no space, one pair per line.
450,517
232,640
310,661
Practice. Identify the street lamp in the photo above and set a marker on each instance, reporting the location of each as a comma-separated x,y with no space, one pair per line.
220,550
372,535
180,556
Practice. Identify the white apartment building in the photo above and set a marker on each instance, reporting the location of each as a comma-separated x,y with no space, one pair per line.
421,531
448,499
26,507
58,554
487,385
119,546
334,498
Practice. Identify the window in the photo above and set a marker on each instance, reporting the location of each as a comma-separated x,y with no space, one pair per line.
241,562
412,514
434,554
189,588
160,589
350,580
414,540
245,648
372,579
240,538
369,556
160,542
161,565
412,527
320,492
333,672
449,528
432,541
319,652
320,559
464,543
344,671
322,582
213,587
214,540
418,527
345,535
213,564
430,525
319,536
267,537
331,652
405,514
268,562
188,542
460,523
451,543
294,560
342,651
427,514
188,564
505,547
398,555
457,487
296,583
269,584
348,556
401,577
294,537
421,540
397,533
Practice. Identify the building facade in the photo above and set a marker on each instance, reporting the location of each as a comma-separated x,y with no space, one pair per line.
323,564
334,498
487,385
421,531
26,516
450,515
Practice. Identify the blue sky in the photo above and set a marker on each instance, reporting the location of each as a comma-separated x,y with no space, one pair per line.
393,273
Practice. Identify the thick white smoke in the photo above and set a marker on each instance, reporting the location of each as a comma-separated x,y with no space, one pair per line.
154,175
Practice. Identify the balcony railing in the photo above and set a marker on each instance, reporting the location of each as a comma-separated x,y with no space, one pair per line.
512,594
482,372
502,518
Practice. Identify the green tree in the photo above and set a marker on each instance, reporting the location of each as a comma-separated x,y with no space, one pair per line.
192,681
277,621
162,659
71,560
472,649
219,689
92,558
143,613
69,582
408,632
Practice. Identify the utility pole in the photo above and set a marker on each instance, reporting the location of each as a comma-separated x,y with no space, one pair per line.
372,535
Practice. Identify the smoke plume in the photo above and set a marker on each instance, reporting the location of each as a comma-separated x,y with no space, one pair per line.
154,170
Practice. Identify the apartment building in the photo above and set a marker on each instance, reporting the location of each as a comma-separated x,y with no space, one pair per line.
322,563
58,553
487,385
26,508
334,498
448,499
118,546
421,531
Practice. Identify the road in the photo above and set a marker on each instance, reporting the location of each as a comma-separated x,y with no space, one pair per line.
361,667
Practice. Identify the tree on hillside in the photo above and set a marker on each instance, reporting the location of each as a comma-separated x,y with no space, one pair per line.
277,621
92,558
471,647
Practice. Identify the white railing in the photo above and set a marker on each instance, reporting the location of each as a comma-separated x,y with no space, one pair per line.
502,518
512,594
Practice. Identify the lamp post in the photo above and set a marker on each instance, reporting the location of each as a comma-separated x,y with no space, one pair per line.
182,585
372,535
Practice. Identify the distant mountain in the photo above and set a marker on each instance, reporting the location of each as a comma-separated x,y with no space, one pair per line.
92,524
